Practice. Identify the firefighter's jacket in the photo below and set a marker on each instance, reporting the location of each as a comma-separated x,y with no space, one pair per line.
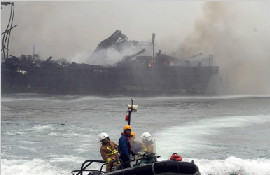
109,152
124,146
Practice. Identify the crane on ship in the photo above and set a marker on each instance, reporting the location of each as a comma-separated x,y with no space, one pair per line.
7,32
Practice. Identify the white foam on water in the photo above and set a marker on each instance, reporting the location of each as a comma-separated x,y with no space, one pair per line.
191,136
41,128
26,148
66,158
85,98
27,142
29,167
229,166
71,134
10,133
83,148
13,133
233,165
8,99
53,134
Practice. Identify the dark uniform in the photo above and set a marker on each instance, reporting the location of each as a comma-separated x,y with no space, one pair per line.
124,150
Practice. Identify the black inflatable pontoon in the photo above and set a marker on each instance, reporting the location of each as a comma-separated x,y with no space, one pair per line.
167,167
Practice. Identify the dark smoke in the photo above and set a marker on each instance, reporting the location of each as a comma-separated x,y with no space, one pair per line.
238,35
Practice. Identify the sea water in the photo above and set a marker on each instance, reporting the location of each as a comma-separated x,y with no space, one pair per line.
53,135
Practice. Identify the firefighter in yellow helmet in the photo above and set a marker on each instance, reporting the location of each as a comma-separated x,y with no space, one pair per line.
108,151
133,134
136,146
124,146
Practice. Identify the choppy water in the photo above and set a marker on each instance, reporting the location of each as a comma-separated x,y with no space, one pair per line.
49,135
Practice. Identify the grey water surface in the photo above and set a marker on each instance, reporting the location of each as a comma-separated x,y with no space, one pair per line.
55,134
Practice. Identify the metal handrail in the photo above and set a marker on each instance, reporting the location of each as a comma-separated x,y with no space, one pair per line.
86,164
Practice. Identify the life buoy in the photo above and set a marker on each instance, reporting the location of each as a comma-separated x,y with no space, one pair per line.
176,157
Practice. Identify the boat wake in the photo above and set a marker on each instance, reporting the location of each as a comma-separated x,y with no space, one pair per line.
230,166
233,165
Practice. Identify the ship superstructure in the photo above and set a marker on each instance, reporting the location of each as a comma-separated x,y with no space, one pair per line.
136,74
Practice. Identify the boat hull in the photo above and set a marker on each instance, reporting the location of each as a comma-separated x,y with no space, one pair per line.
168,167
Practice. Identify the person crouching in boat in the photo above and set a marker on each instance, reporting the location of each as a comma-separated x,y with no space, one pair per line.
148,142
136,146
124,147
108,151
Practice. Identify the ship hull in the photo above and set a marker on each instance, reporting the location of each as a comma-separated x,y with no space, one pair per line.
98,80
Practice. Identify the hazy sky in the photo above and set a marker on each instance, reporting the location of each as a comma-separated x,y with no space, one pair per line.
237,33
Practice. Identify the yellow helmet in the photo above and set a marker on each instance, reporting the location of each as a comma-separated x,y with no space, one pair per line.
133,134
127,127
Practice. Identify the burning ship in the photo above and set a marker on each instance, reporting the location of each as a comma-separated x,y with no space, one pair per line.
141,73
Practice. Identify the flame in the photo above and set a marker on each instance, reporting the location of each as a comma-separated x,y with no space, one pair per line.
149,65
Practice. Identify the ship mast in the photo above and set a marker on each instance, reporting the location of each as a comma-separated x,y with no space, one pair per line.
153,42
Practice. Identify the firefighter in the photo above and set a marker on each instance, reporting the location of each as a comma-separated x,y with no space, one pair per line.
124,147
108,152
136,146
148,142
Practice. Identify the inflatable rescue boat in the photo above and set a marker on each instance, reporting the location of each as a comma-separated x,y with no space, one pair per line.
165,167
143,164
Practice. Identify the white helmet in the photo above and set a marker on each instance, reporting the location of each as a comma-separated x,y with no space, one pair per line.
102,136
146,136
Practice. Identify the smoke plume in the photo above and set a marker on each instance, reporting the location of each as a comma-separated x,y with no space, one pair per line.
238,35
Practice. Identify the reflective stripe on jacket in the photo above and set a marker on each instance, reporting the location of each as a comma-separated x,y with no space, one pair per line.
112,151
109,152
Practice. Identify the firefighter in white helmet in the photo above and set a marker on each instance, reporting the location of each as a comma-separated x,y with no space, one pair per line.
108,151
148,142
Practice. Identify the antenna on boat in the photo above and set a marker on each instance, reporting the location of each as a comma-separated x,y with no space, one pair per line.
131,108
